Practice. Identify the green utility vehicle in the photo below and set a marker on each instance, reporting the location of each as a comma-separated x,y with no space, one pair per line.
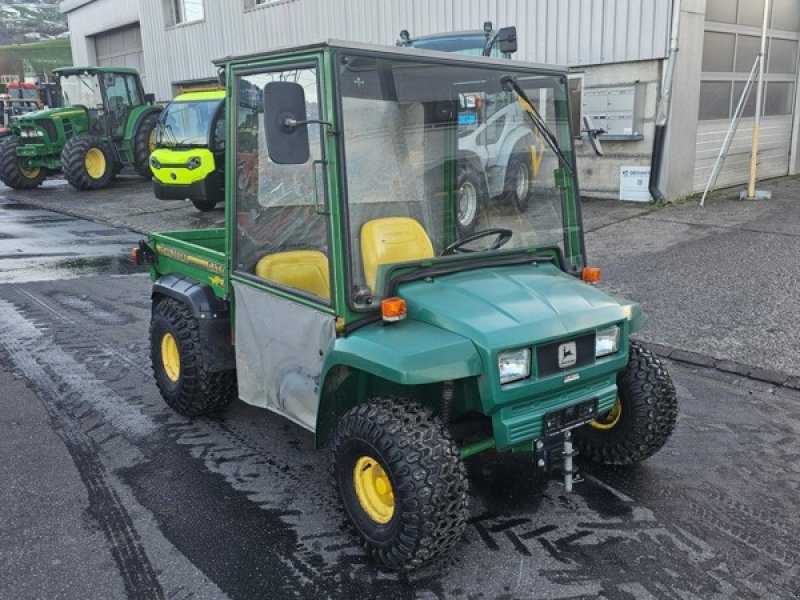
341,295
105,122
189,160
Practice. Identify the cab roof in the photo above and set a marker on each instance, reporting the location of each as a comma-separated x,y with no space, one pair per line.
390,50
93,70
200,96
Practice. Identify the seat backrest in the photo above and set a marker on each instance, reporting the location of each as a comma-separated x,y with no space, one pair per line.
392,240
302,269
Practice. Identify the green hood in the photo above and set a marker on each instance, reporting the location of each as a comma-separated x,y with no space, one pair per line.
511,306
51,113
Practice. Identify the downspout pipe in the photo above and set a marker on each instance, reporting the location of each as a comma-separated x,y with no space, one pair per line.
662,114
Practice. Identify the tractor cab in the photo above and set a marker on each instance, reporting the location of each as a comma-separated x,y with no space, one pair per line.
107,96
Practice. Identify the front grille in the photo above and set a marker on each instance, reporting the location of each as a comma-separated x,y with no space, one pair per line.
49,127
547,355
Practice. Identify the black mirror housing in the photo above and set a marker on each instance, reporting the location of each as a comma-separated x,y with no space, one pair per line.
507,40
150,98
284,123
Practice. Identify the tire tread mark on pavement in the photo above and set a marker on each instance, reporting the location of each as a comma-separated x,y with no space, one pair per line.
717,512
105,505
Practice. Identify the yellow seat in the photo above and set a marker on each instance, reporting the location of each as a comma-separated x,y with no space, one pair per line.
302,269
392,240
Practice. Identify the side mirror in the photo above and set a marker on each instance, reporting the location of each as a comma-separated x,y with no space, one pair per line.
285,123
593,135
150,98
507,40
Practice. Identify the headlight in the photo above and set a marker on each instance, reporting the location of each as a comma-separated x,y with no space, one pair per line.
606,341
514,365
193,163
154,162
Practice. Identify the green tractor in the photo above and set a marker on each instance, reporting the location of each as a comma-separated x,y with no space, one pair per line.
106,122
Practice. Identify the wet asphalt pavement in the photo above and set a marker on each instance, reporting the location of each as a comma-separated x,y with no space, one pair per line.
107,493
40,245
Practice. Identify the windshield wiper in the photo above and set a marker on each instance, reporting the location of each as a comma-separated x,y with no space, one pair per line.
510,83
165,129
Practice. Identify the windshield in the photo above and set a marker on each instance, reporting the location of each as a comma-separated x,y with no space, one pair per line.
450,146
81,89
186,124
470,44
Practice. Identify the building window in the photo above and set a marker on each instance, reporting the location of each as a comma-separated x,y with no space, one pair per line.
253,3
186,11
730,46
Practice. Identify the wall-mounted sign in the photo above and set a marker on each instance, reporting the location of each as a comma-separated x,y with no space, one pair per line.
633,182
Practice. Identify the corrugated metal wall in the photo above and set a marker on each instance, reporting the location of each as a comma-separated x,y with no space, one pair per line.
773,151
573,32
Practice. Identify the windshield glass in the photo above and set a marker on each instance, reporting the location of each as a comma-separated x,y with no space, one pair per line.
450,148
468,44
186,123
81,89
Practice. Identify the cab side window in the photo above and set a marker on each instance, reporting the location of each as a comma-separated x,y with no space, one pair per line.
282,236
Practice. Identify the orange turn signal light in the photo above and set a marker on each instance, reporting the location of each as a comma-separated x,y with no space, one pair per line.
393,309
590,274
135,255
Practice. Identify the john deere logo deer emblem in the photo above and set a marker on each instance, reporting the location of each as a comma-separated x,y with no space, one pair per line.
567,355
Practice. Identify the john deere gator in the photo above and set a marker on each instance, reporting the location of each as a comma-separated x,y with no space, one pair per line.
105,122
342,294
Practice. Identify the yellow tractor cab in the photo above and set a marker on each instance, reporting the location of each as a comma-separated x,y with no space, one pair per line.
189,159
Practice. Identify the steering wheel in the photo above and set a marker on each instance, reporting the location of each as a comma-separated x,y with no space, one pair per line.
503,235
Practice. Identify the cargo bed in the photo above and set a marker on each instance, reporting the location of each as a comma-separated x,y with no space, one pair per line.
198,254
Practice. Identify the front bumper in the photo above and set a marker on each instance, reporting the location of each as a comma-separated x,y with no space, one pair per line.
211,188
38,155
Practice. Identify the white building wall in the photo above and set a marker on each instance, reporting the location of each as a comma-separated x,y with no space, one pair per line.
573,32
599,177
88,18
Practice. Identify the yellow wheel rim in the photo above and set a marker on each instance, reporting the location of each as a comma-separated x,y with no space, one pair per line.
151,141
31,173
170,357
374,490
95,163
609,420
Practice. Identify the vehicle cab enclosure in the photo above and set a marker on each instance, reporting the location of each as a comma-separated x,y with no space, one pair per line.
189,161
353,296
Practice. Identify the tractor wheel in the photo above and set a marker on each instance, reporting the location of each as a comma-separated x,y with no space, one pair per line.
518,179
88,162
176,352
12,173
144,142
204,205
470,195
401,480
642,419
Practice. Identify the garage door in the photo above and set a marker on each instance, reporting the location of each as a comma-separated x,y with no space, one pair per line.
773,151
731,43
121,48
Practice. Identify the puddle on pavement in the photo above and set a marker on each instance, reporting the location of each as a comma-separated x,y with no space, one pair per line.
44,245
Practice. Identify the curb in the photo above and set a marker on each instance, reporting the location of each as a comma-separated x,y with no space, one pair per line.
726,366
